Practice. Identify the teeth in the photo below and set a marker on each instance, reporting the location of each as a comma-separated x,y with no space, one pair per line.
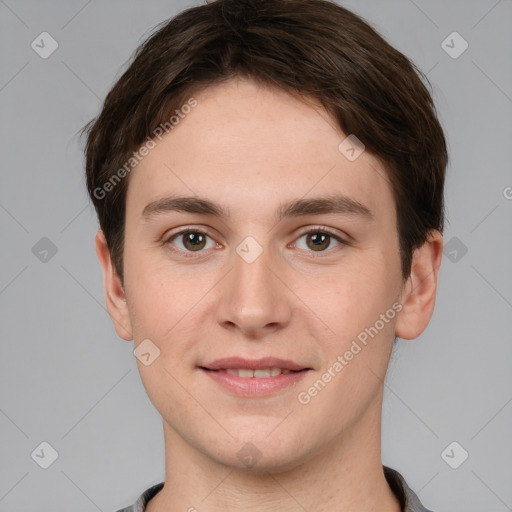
243,372
263,373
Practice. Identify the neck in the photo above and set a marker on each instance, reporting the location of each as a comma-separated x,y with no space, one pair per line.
344,475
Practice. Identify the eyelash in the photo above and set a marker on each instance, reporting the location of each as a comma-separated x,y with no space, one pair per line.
196,254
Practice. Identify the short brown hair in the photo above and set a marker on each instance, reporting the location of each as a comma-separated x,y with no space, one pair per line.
313,48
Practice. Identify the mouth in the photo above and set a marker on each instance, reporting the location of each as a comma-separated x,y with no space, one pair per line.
254,378
264,363
247,373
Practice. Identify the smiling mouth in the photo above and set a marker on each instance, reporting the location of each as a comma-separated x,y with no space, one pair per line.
260,373
255,382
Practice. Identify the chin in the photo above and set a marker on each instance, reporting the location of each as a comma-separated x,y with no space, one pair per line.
259,452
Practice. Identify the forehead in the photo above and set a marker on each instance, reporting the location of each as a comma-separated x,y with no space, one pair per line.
249,146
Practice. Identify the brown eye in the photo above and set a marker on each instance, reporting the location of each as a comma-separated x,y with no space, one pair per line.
318,240
194,241
190,241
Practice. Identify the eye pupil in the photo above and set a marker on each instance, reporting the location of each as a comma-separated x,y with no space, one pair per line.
319,241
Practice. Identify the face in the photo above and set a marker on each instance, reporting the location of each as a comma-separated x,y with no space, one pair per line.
290,261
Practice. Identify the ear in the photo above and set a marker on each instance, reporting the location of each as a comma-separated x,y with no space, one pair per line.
419,292
114,292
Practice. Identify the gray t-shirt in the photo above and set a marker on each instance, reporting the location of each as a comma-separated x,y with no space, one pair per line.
409,502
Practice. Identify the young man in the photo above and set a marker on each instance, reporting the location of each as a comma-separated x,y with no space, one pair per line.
268,177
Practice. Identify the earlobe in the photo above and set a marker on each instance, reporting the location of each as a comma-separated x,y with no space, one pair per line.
419,291
114,291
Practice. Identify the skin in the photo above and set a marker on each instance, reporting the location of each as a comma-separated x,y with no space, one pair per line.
252,148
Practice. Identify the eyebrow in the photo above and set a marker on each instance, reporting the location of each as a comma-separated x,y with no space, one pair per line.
331,204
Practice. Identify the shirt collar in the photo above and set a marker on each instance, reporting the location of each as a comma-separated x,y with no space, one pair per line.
408,500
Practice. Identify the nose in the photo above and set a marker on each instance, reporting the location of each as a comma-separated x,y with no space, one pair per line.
254,299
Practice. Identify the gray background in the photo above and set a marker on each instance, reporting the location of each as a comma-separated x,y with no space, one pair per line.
68,380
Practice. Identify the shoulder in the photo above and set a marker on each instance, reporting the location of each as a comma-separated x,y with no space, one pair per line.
408,499
142,500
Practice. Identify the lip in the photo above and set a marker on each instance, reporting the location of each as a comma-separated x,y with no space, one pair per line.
253,387
254,364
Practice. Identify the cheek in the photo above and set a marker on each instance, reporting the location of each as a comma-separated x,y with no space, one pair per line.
357,307
155,301
168,305
351,300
